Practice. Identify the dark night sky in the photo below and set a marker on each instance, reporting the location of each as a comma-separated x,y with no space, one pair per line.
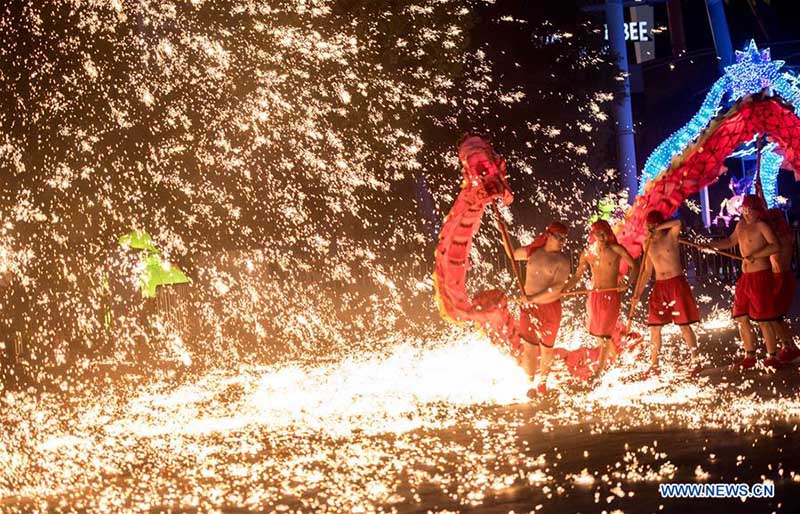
764,20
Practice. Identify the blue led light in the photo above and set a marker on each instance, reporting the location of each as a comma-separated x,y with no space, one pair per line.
754,71
675,144
770,167
787,86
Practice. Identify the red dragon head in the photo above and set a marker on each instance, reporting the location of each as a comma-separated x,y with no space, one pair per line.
482,167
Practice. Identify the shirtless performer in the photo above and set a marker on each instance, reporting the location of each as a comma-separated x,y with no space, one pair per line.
602,256
671,300
755,289
785,283
547,271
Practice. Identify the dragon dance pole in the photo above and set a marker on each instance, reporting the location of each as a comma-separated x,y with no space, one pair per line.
590,291
759,186
638,285
710,249
501,225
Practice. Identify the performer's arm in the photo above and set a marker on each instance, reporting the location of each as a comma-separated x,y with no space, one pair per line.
552,292
669,224
728,242
633,267
772,247
574,279
674,227
520,254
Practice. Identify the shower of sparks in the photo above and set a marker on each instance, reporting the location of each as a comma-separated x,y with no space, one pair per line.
363,434
268,148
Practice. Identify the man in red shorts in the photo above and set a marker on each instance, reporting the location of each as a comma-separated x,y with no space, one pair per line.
547,271
785,283
603,256
671,300
754,298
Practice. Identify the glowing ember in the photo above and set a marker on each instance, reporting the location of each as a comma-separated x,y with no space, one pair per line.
359,433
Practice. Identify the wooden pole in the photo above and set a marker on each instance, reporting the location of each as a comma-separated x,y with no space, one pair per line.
589,291
634,300
501,225
703,247
759,186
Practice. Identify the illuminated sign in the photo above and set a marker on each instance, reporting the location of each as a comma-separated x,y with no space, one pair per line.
639,31
636,31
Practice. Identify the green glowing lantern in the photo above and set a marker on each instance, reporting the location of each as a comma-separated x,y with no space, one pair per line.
607,206
155,271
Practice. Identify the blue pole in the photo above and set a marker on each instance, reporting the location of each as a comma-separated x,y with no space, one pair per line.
720,32
724,47
626,146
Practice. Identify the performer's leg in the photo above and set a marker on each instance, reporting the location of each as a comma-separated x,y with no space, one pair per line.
783,334
655,345
747,334
605,342
777,329
768,333
612,351
529,358
789,351
545,360
690,338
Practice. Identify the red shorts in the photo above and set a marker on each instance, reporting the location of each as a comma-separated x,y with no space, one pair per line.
603,312
785,284
671,301
755,296
539,322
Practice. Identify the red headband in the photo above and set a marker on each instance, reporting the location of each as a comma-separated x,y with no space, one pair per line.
602,226
655,218
754,203
540,240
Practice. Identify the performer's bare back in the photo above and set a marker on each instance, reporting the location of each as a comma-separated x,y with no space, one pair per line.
782,261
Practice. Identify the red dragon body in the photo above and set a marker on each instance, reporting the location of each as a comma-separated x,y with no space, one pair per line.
484,182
